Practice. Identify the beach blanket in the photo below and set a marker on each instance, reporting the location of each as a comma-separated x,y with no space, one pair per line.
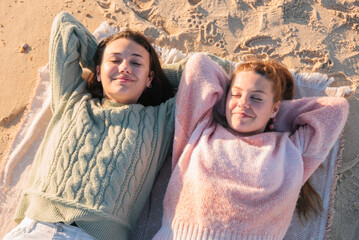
15,166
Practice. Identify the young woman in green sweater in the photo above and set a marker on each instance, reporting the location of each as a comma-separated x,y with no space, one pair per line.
106,141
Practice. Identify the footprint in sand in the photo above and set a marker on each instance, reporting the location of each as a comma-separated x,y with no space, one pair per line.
105,4
298,11
214,35
334,5
208,32
143,4
13,119
258,46
340,79
353,21
252,3
317,59
352,64
106,7
194,2
156,24
196,20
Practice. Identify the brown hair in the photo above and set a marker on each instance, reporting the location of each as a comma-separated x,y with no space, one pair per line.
161,89
283,89
282,79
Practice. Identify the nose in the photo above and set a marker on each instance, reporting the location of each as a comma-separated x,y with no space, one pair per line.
124,67
244,102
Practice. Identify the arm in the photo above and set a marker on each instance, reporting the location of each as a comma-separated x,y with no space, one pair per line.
70,43
316,124
203,83
174,71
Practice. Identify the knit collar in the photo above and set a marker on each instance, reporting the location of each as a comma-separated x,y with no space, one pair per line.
105,102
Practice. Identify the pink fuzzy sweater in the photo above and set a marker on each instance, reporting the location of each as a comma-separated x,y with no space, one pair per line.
225,186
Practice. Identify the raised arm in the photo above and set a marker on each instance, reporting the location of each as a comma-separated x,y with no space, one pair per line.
70,44
174,71
203,83
316,124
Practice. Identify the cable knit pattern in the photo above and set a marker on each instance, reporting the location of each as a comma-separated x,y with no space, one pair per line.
98,160
225,186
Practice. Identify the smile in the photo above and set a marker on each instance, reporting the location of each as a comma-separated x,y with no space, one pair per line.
123,78
243,115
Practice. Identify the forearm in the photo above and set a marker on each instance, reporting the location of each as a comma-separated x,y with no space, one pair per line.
316,124
222,62
174,71
203,84
299,112
70,43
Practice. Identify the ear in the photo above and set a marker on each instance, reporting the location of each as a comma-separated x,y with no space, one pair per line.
98,77
150,78
276,107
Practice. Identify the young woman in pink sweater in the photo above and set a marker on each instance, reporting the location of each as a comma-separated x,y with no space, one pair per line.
238,180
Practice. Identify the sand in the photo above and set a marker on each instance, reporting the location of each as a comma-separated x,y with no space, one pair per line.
315,35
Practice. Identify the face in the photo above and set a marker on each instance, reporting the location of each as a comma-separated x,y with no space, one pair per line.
249,104
125,71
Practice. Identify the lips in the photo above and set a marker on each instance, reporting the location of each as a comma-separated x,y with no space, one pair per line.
243,114
123,78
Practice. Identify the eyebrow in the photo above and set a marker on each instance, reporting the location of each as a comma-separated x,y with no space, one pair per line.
133,54
257,91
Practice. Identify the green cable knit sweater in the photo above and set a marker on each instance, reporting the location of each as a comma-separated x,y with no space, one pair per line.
98,160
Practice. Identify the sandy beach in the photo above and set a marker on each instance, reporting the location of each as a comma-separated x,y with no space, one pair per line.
308,36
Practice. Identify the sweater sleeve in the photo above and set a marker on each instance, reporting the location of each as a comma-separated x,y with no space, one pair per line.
315,124
174,71
70,43
203,83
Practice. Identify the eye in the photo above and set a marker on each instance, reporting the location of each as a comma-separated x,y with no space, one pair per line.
257,99
115,60
235,94
135,63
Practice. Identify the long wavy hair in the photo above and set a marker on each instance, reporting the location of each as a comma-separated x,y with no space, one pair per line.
161,89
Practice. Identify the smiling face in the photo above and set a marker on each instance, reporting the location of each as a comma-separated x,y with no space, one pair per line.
125,71
249,104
